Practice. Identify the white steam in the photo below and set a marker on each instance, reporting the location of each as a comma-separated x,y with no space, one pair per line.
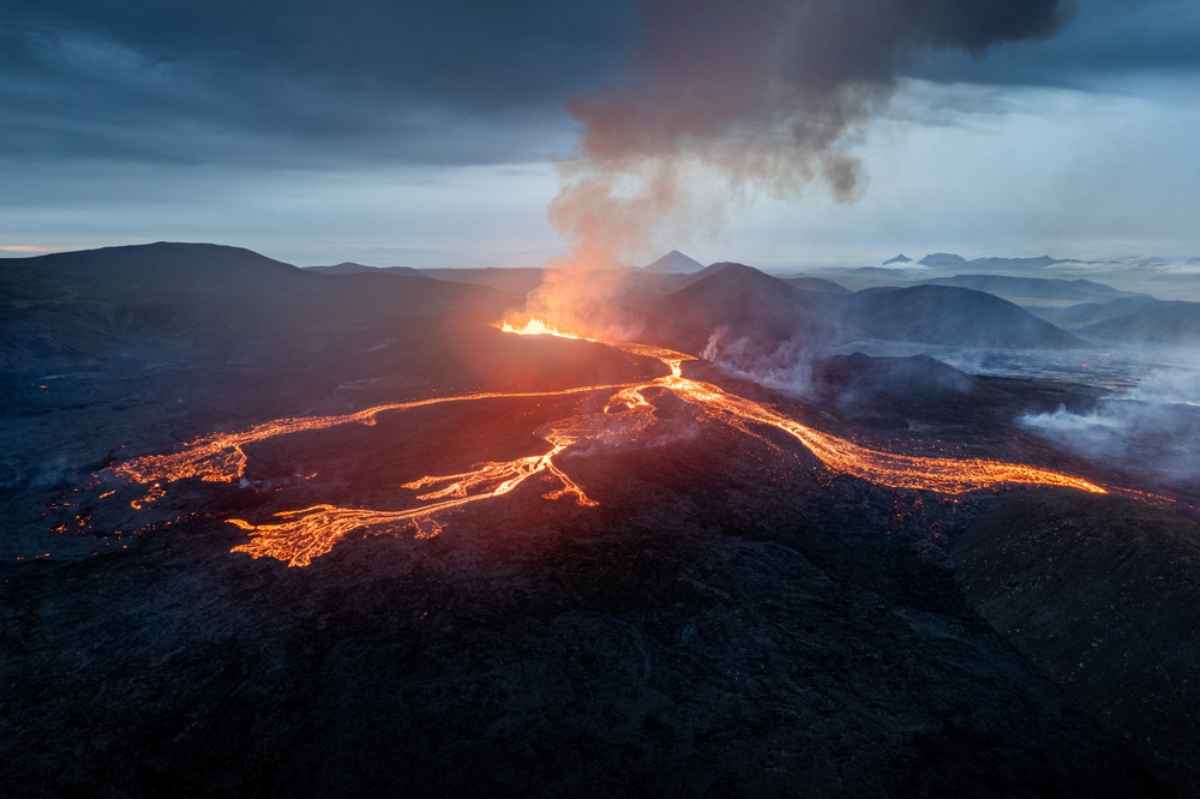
1154,427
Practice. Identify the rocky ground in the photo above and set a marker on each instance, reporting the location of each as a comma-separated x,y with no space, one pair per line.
732,620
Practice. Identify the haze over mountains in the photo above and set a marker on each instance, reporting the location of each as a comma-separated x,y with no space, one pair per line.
948,315
1032,289
158,286
352,268
1175,324
1033,264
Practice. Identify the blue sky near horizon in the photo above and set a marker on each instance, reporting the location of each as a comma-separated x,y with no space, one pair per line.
430,136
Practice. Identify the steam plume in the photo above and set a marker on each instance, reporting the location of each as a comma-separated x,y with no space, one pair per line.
767,94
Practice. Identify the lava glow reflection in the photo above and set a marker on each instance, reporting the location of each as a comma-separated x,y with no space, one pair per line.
296,537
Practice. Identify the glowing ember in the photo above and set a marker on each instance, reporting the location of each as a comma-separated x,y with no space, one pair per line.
299,536
536,327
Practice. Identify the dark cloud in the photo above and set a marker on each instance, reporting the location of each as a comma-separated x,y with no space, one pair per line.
1108,40
452,82
769,96
312,84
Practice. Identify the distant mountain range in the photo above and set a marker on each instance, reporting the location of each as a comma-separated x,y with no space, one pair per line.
1073,317
229,297
953,262
1020,289
1136,320
766,310
817,284
1153,323
352,268
1167,278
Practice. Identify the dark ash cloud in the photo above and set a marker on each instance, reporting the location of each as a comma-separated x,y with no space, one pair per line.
1108,40
306,84
311,84
768,95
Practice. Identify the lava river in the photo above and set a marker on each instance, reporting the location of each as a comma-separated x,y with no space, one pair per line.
296,537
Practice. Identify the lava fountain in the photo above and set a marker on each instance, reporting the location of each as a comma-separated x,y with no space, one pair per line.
297,537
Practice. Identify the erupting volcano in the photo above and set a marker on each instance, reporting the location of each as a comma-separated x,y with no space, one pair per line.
296,537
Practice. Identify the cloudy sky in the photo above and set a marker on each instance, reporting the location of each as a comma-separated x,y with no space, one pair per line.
433,136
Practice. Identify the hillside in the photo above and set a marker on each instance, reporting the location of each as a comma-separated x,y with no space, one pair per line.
515,281
950,316
1074,317
208,301
1018,289
1173,324
817,284
147,270
352,268
744,301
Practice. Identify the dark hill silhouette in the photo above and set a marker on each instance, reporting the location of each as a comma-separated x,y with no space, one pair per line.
943,260
949,260
869,277
236,276
1032,288
893,390
1172,324
352,268
817,284
951,316
163,268
1074,317
517,281
746,302
213,299
344,268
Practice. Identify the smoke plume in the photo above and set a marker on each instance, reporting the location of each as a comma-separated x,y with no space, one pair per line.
1152,428
766,95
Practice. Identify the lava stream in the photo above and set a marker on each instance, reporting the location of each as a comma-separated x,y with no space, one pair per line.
219,458
299,536
308,533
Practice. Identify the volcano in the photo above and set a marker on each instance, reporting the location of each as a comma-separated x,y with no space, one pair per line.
486,535
950,315
675,262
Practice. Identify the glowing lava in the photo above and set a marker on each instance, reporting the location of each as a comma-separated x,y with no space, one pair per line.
536,327
299,536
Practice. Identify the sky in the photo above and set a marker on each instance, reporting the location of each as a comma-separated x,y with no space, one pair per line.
438,136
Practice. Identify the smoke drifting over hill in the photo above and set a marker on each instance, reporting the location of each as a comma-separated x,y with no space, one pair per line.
768,95
1153,427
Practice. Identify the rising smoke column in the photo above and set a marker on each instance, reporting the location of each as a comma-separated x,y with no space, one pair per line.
767,94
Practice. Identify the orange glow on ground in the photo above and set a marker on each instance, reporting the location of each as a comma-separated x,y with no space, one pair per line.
299,536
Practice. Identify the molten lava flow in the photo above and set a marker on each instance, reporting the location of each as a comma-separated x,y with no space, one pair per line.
536,327
299,536
219,458
941,475
308,533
